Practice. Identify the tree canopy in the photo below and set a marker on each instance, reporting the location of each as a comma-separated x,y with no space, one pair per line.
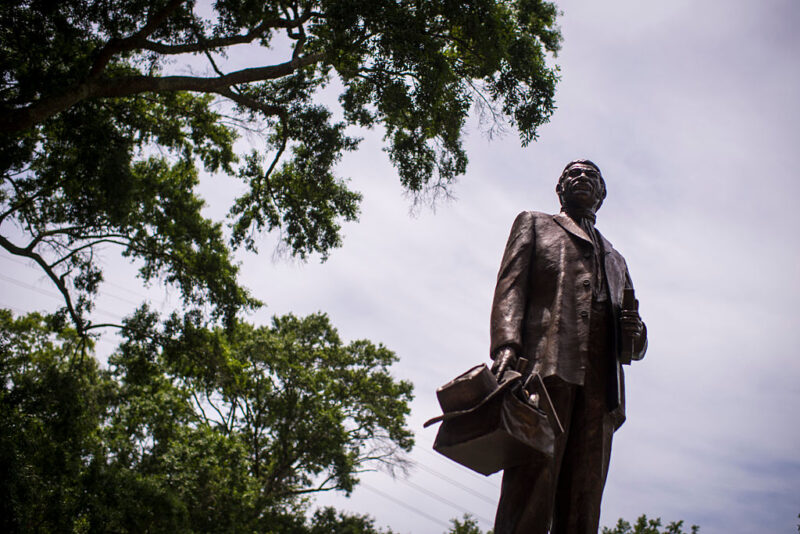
643,525
109,111
191,429
466,525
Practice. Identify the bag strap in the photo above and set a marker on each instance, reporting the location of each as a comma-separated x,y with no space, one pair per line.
550,406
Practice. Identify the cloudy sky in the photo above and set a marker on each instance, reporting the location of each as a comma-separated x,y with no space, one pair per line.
691,110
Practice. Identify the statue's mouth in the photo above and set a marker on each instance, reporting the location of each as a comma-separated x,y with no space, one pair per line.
582,187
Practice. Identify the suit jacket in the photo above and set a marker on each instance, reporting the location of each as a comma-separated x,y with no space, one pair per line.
543,300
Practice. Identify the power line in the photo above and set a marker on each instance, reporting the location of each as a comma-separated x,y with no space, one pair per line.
25,285
477,477
441,499
30,265
47,293
405,505
454,482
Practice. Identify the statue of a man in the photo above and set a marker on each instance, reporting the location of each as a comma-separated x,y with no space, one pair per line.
559,304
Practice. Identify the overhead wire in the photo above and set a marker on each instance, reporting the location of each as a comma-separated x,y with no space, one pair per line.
105,282
47,293
441,499
404,505
453,482
478,478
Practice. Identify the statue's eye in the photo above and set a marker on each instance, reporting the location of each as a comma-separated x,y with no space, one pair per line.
577,171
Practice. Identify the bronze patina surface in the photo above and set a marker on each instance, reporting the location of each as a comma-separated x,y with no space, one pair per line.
564,301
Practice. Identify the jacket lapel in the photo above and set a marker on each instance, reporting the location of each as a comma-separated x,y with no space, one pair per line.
571,226
614,271
607,247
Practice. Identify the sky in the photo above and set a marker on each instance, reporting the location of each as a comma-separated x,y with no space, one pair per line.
691,110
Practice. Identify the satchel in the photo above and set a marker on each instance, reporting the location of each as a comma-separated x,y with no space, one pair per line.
488,426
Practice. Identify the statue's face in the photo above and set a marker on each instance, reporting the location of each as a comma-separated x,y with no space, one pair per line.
581,188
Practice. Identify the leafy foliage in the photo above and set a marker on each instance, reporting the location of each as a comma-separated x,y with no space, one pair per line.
466,525
103,132
51,405
644,525
136,448
329,521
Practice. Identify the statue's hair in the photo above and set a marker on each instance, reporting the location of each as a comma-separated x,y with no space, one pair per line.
591,164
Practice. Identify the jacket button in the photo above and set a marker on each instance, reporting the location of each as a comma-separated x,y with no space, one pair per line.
586,283
584,314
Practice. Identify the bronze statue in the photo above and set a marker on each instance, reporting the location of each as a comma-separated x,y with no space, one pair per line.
564,302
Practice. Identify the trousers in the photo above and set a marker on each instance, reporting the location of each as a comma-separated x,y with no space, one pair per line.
563,495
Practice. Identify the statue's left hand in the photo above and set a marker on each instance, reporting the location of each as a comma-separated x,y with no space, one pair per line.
631,323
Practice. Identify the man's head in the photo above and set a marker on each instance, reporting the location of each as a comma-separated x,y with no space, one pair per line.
581,186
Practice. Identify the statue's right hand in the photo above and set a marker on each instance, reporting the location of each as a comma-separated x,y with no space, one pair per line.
504,359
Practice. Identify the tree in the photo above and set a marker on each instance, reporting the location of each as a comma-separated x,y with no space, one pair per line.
466,525
102,131
51,405
644,525
329,521
135,447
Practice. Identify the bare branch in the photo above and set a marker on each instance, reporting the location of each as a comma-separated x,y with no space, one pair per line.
251,103
104,325
73,252
68,231
222,418
200,406
58,281
320,488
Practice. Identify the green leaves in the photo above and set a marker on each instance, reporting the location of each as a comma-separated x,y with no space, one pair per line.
52,401
102,124
310,410
86,188
302,197
466,525
644,525
191,429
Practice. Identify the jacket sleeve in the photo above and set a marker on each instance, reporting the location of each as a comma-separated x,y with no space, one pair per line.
510,294
640,345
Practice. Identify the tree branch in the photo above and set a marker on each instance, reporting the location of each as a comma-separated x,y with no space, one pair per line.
105,325
219,42
200,407
58,281
26,200
58,231
24,118
88,245
115,46
222,419
251,103
319,488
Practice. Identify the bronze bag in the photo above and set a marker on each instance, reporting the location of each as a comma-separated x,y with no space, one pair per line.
488,426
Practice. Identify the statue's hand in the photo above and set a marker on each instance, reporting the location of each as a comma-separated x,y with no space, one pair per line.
504,359
631,324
